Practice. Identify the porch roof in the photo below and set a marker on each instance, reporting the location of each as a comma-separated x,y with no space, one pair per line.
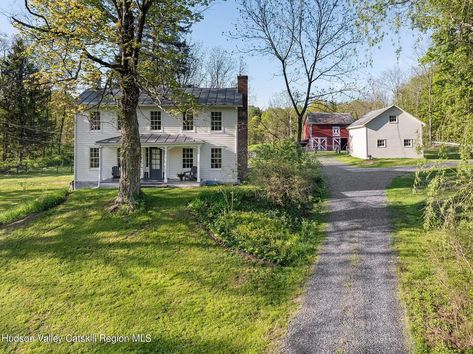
154,139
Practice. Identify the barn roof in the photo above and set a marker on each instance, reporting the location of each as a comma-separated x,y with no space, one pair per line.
154,139
329,118
205,96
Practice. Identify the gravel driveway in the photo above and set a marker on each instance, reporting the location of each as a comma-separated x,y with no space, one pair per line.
351,304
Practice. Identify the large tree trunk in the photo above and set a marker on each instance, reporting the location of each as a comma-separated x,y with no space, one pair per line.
130,159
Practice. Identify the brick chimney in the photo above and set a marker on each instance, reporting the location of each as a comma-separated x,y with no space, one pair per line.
242,122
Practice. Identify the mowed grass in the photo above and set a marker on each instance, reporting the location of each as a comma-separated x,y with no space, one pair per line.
80,270
21,188
435,282
430,156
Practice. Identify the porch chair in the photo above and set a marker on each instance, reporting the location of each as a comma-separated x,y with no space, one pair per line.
116,172
191,175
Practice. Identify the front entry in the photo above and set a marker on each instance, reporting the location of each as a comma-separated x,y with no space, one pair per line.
155,163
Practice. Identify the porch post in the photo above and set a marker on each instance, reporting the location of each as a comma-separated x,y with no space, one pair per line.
165,164
198,163
100,166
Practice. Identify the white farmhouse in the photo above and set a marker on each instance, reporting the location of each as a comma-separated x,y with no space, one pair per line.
389,132
208,144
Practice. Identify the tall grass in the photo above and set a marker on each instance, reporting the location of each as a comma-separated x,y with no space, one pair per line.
42,203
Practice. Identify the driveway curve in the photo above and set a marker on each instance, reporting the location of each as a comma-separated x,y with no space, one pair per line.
351,304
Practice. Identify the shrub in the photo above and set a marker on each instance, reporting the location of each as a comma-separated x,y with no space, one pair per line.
39,204
286,174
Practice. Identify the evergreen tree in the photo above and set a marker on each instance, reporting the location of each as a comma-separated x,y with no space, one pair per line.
24,107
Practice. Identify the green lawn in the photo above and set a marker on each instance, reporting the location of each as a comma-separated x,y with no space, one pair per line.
435,282
80,270
431,155
17,189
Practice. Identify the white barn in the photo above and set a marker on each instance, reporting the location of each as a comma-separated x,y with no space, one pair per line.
389,132
210,142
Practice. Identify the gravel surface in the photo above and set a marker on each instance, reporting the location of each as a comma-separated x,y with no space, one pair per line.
351,304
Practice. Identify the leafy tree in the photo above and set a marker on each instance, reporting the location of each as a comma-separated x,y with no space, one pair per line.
124,41
24,102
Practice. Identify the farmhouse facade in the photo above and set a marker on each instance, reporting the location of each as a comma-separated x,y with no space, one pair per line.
389,132
326,131
208,144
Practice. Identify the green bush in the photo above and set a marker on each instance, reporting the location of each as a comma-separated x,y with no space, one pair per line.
39,204
287,175
243,219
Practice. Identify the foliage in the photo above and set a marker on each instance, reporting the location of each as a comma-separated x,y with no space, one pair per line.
435,270
42,203
24,116
286,174
243,219
164,274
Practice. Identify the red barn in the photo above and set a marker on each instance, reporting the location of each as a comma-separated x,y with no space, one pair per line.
327,131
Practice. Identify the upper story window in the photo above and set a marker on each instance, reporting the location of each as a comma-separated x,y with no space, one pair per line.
187,157
216,158
216,121
187,121
94,157
336,131
156,120
381,143
94,120
392,119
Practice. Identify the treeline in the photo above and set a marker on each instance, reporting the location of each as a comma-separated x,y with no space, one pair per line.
36,119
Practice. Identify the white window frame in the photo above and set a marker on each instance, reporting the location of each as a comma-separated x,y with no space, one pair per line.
335,131
221,158
411,143
187,158
395,119
212,116
385,143
95,157
185,116
160,120
91,117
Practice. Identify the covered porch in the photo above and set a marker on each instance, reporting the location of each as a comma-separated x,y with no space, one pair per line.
165,160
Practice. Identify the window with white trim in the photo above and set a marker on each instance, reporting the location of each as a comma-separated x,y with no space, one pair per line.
156,120
392,119
408,142
94,157
381,143
335,131
187,121
216,158
94,120
187,157
216,121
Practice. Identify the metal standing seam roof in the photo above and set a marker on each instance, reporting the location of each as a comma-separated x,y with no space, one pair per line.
205,96
154,139
329,118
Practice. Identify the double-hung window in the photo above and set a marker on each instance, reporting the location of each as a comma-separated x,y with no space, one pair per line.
187,157
94,157
216,121
156,120
94,120
381,143
187,121
216,158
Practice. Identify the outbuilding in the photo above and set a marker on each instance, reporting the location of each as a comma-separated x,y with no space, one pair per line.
327,131
389,132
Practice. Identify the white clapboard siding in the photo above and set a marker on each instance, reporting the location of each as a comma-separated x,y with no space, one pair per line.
226,139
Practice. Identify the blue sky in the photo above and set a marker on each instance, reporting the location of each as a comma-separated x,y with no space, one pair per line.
221,17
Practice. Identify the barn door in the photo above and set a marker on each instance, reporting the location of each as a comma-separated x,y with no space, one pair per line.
321,144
